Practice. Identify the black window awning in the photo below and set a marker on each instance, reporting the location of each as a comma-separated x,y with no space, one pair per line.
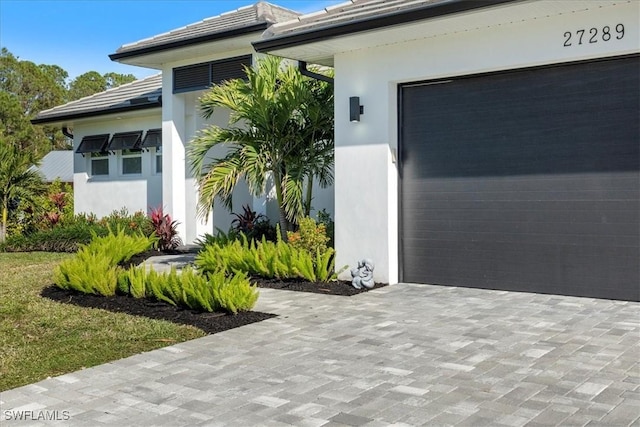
153,138
93,144
125,141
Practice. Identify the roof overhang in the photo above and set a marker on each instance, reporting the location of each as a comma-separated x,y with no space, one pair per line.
320,45
111,114
157,55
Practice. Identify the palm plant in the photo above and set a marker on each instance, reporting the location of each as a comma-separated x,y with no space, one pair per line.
281,128
17,181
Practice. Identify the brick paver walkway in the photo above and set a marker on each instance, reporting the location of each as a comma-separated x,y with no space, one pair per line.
401,355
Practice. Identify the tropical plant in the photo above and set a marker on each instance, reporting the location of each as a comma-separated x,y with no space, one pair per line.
17,181
280,131
165,229
246,221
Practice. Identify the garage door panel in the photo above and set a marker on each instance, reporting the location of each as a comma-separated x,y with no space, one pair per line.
566,182
499,267
550,234
489,214
524,181
496,251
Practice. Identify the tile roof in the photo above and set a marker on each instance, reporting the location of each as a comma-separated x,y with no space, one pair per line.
357,16
56,164
144,93
256,17
345,13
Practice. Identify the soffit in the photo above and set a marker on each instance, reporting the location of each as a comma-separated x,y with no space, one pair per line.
323,51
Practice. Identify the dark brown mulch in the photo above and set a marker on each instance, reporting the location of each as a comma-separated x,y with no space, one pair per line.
340,287
210,323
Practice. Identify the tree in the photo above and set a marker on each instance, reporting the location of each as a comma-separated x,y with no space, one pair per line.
17,182
36,88
16,128
39,87
114,79
276,131
92,82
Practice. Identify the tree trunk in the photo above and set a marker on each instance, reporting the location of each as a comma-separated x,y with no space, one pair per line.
285,225
3,225
307,202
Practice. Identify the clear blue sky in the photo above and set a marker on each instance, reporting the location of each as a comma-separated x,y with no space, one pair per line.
78,35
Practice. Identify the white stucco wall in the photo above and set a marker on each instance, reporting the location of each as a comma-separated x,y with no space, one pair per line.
181,120
366,190
103,194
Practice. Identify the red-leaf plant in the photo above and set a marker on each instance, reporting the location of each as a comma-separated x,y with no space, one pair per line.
165,229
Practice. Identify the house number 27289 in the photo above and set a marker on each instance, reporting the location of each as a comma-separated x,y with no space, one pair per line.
593,35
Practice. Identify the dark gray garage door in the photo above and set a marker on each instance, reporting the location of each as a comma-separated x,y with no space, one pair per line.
524,181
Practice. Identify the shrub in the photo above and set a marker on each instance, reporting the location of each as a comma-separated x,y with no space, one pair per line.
87,272
133,282
69,234
94,268
267,259
138,222
190,289
220,237
62,238
165,229
235,294
253,225
329,226
310,236
120,247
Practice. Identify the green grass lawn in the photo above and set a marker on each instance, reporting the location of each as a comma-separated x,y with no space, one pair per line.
40,338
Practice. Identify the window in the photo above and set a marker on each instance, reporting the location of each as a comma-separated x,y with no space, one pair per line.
159,159
131,162
201,76
99,164
153,139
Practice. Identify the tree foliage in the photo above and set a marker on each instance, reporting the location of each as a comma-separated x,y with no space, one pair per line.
92,82
27,88
280,130
18,183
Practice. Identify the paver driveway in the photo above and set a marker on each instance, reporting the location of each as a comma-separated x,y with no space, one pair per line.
404,354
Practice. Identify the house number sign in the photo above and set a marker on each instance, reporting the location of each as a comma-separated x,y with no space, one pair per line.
593,35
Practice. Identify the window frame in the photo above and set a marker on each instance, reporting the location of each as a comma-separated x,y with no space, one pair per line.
98,156
130,154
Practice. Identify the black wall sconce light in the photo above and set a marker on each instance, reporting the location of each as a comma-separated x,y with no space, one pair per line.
355,109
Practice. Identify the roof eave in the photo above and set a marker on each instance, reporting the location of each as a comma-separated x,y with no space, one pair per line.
94,113
368,24
190,42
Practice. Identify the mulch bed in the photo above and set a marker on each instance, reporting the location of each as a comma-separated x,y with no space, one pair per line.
210,323
340,287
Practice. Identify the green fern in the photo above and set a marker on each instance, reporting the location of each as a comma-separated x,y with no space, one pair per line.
235,294
87,272
133,282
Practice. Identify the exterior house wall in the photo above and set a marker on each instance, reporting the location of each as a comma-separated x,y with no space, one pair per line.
103,194
366,190
181,120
